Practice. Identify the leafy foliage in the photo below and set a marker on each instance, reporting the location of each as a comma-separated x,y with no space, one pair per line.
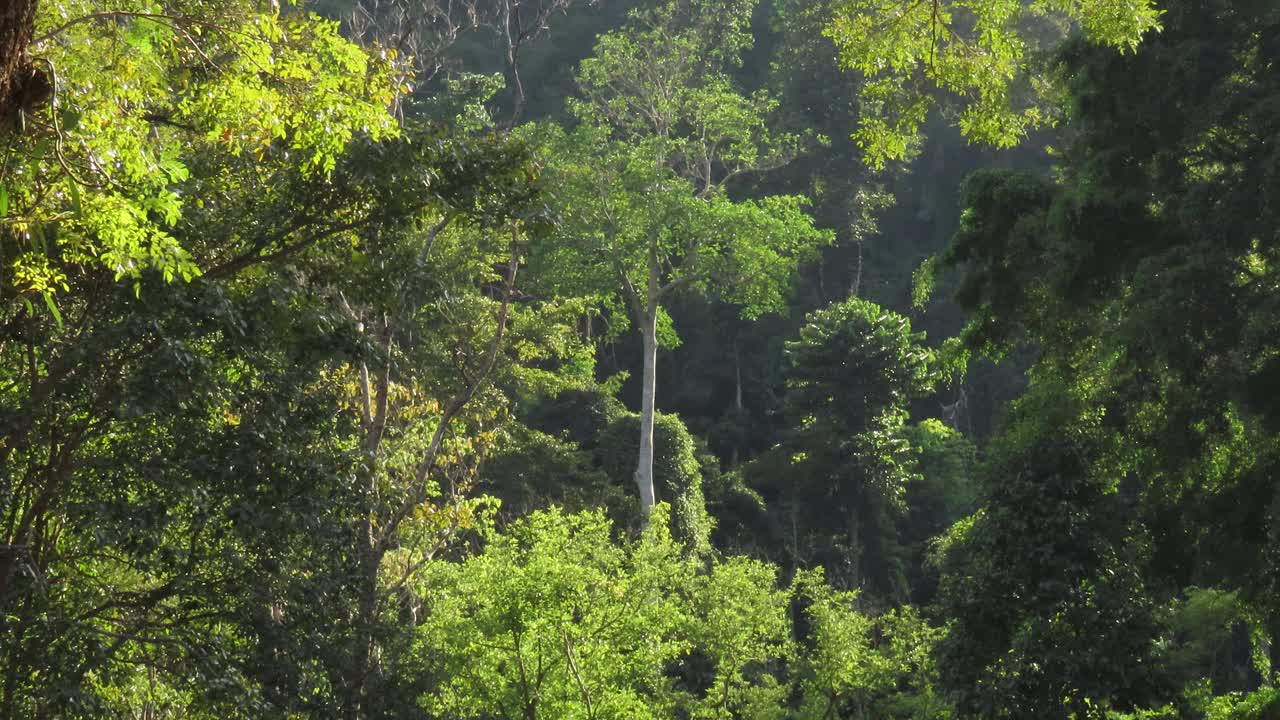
860,666
556,619
309,358
1139,274
978,51
677,472
852,372
99,178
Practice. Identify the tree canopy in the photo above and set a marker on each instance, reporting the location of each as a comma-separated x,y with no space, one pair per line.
695,359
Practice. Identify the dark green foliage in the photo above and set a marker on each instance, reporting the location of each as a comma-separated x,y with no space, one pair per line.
947,460
852,362
202,520
942,493
577,415
533,470
676,472
1207,637
297,404
835,487
1140,463
742,521
1074,624
601,427
1003,226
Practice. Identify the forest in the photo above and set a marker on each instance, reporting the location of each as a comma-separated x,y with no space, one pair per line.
639,359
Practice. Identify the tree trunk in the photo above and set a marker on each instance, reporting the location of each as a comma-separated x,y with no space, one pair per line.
17,23
856,286
370,559
1273,642
855,548
644,466
737,402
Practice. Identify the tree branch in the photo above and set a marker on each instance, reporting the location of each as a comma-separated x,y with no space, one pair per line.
454,407
577,676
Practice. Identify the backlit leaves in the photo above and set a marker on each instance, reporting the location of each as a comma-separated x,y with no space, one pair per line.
976,50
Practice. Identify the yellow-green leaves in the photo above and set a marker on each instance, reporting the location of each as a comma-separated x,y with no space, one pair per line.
976,50
145,92
665,80
297,82
127,236
556,617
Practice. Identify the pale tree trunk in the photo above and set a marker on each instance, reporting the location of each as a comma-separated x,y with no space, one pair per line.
648,321
644,466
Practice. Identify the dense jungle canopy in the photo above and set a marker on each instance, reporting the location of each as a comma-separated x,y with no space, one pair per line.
627,359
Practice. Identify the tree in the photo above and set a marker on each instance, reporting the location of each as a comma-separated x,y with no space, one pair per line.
324,366
555,619
589,424
1143,275
859,666
642,183
19,79
222,450
837,479
186,158
980,51
676,473
1051,612
93,178
423,32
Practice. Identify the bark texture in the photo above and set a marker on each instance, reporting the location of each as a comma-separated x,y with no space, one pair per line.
644,465
17,23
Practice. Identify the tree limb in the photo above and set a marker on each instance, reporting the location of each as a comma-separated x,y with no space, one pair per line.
455,406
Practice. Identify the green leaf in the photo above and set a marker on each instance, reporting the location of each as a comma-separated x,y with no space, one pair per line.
53,308
76,199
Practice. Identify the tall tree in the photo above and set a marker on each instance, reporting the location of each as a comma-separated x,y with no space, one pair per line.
200,488
1145,276
838,478
643,183
187,157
